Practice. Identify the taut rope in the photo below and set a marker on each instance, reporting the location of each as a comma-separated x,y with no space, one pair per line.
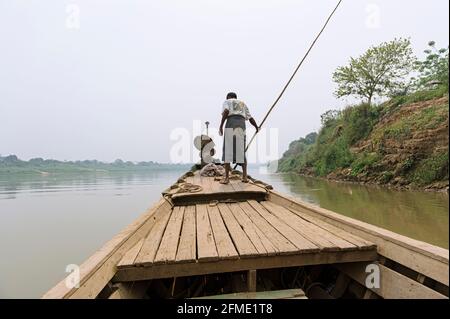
295,72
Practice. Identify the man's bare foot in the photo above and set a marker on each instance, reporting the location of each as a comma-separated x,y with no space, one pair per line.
245,180
225,181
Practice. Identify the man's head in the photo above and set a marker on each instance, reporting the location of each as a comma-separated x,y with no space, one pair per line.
231,95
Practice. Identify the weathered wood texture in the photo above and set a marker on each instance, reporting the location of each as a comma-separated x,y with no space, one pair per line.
212,190
234,230
277,294
424,258
248,235
392,285
99,269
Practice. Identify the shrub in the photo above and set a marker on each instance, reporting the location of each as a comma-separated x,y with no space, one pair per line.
359,122
432,169
364,162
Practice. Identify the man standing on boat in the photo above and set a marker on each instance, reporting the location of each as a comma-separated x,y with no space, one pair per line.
235,113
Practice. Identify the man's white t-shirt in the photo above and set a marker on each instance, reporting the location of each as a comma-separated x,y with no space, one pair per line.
236,107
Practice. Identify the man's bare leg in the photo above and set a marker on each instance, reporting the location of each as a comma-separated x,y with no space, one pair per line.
226,180
244,173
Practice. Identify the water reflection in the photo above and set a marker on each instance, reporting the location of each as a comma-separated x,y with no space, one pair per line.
48,222
12,186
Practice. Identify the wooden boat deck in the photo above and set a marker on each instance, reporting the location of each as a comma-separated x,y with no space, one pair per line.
237,234
212,190
247,227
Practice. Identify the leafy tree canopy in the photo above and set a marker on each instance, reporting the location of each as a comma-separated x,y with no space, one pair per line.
380,71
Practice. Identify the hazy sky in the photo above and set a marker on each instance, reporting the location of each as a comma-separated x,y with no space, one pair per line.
116,81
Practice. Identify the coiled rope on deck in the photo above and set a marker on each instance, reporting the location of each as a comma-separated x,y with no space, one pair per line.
189,188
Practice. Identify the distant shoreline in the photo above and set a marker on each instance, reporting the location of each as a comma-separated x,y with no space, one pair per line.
37,166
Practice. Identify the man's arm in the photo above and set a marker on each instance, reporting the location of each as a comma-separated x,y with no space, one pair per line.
224,118
253,122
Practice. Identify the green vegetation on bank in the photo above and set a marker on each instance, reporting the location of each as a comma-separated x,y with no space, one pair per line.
403,141
358,145
12,164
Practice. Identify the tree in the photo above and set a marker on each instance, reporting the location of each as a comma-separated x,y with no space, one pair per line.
434,69
380,71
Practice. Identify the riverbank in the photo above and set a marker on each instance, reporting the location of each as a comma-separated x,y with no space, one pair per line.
401,144
440,187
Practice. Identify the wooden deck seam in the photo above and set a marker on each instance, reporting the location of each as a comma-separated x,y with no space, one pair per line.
160,239
212,235
325,239
230,221
278,240
295,238
360,243
240,240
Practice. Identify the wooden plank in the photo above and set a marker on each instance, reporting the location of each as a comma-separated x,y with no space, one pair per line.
251,280
369,294
393,285
224,244
276,294
282,244
130,290
252,231
242,243
214,186
360,243
323,239
152,241
169,244
205,239
422,257
252,187
200,180
115,295
295,238
98,269
184,199
187,249
130,256
225,188
268,245
242,264
208,182
237,185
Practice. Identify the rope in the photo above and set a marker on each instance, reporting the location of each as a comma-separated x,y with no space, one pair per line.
295,72
189,188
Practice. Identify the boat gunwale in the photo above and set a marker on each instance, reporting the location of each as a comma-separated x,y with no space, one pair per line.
424,258
421,247
93,263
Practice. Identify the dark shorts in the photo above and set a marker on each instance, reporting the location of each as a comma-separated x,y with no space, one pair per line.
234,146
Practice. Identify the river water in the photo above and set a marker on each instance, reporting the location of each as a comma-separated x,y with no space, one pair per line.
49,222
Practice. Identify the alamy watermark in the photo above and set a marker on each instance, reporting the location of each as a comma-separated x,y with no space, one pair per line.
373,16
373,279
264,149
73,279
73,16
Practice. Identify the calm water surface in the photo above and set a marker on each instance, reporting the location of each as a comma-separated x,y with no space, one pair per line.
49,222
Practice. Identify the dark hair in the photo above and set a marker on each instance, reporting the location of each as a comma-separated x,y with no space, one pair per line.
231,95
